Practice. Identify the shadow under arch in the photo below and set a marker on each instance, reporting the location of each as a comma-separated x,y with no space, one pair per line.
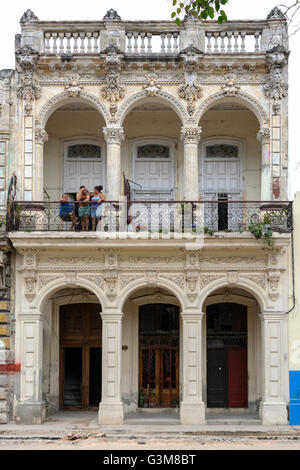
160,97
248,286
241,98
59,100
52,287
135,286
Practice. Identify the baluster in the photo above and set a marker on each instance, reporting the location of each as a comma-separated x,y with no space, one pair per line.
68,48
243,46
82,38
75,48
208,47
96,47
136,45
216,48
223,42
163,47
169,45
175,43
229,45
89,43
54,48
61,44
257,44
142,35
129,46
47,42
149,46
236,42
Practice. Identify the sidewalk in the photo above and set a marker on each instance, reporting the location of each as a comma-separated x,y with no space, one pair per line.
153,426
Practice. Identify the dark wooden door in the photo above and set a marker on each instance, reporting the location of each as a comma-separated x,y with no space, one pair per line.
80,356
237,378
217,378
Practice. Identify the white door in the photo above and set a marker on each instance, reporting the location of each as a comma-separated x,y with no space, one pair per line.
221,180
153,171
84,165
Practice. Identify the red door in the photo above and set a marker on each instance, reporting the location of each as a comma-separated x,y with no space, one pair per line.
237,378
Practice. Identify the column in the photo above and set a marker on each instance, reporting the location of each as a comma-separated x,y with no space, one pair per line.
30,408
192,409
191,137
113,137
41,138
111,406
264,136
273,408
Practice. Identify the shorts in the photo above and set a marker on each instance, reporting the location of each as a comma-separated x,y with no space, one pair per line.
65,217
83,211
96,211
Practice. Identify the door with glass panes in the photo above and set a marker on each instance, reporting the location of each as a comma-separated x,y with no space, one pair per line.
221,183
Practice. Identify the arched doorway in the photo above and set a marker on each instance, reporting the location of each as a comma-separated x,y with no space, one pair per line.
227,370
159,355
80,356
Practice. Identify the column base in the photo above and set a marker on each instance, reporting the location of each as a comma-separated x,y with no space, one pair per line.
192,413
273,414
111,413
30,413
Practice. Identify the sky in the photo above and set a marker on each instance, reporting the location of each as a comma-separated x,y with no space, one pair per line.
154,10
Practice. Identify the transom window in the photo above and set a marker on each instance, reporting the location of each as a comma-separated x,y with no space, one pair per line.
84,152
153,151
222,151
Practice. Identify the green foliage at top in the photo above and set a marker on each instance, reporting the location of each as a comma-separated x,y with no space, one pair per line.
202,9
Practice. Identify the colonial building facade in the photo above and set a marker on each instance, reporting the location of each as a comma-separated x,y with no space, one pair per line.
189,124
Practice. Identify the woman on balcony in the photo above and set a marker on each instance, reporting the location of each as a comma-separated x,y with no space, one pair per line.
84,208
96,205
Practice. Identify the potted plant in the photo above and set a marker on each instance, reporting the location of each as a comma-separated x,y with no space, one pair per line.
141,398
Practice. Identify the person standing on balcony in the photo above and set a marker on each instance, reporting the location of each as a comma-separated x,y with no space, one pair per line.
96,205
84,207
66,211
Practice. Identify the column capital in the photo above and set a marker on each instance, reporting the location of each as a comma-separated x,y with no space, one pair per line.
268,315
113,135
112,316
264,135
41,135
191,135
191,315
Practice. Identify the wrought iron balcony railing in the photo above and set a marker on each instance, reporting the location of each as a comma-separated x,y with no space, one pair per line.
152,216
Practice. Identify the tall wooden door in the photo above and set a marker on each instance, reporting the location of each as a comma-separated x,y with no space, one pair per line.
80,356
159,356
237,378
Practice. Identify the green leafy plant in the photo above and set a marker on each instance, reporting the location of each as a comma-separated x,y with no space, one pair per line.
258,230
141,397
202,9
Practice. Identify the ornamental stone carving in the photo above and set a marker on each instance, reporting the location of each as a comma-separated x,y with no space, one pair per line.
30,284
276,59
113,91
113,135
207,279
73,88
264,134
41,135
29,17
276,14
28,90
274,278
191,135
152,87
111,15
230,88
190,91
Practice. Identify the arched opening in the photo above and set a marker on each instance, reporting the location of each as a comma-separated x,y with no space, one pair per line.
152,357
232,351
72,378
74,154
153,161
